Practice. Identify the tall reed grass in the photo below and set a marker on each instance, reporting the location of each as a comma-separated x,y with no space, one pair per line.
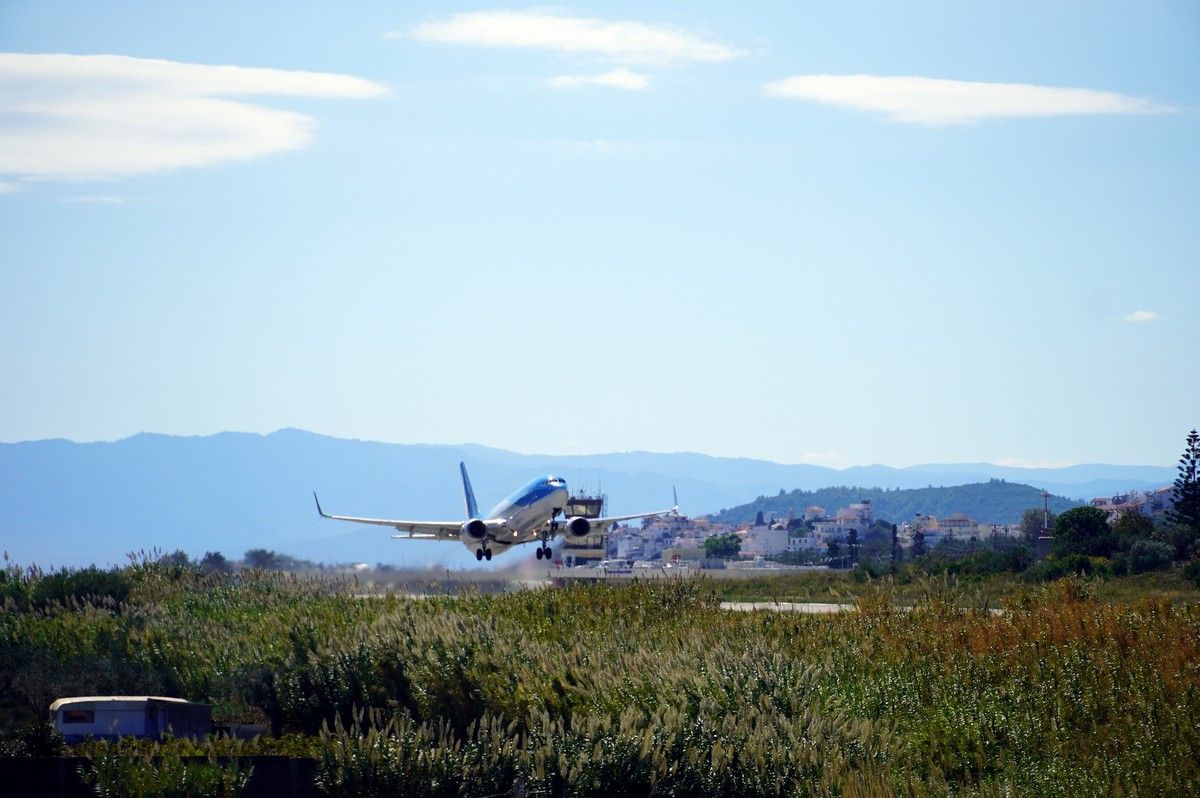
581,690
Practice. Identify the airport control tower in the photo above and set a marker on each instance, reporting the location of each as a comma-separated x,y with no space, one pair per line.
589,549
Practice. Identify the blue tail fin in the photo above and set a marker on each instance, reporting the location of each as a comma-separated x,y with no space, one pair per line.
472,508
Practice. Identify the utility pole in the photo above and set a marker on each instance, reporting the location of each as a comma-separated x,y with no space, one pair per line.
1043,542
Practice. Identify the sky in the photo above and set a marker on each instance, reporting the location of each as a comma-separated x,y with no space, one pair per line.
836,233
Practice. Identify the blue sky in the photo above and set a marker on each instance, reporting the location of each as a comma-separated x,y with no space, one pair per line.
838,233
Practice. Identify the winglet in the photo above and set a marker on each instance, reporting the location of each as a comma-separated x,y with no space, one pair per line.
468,494
319,510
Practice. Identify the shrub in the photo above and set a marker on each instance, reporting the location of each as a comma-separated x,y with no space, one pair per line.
130,771
1191,571
1084,530
34,739
1150,555
87,584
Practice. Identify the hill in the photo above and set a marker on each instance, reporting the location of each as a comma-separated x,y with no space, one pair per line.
67,503
991,502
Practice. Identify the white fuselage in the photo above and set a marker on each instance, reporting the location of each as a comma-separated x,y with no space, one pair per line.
525,514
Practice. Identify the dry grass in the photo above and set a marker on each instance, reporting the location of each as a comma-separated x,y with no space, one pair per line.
581,690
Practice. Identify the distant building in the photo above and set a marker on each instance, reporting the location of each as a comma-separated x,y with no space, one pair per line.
857,517
1151,503
959,526
766,540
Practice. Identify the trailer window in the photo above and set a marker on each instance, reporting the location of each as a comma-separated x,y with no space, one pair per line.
78,716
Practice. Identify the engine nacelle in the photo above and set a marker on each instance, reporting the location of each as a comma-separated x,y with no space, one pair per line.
578,526
474,530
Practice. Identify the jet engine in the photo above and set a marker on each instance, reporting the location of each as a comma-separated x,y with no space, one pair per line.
578,526
474,530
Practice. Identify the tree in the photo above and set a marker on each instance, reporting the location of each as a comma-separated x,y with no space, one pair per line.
1084,530
918,546
262,558
1149,555
833,549
1185,513
896,553
214,562
852,544
1031,523
178,557
722,547
1132,526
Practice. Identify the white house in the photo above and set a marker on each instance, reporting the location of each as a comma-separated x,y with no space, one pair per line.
765,541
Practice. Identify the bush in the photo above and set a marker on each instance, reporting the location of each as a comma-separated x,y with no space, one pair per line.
34,739
1084,530
14,587
1149,555
119,771
1069,565
1191,572
83,585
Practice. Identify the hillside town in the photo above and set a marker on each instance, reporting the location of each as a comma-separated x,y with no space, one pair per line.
818,532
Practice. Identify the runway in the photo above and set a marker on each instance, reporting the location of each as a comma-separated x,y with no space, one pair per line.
805,607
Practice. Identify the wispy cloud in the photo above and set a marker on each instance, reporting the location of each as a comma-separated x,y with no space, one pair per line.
823,458
934,101
1020,462
100,199
597,145
1141,316
621,41
103,116
8,188
617,79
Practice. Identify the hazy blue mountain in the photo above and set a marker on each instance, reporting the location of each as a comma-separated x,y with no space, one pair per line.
76,503
992,502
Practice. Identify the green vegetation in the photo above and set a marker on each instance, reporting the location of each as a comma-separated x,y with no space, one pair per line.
648,688
1179,585
722,547
992,502
125,770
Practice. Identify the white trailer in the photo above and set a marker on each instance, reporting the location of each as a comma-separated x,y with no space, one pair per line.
113,716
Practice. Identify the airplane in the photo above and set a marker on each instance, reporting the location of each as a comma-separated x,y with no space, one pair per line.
531,513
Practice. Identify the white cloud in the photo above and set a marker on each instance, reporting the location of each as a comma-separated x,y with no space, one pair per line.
1020,462
100,199
933,101
97,116
1141,315
8,188
617,79
597,145
823,458
622,41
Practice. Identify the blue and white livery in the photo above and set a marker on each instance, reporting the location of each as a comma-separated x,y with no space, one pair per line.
531,513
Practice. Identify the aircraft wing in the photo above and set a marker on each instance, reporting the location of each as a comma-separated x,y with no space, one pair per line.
428,530
604,523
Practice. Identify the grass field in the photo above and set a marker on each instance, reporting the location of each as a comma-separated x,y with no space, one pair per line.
843,586
650,688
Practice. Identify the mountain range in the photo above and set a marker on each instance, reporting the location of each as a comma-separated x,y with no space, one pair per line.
68,503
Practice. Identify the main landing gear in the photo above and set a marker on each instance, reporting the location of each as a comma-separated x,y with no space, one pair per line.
483,554
543,551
